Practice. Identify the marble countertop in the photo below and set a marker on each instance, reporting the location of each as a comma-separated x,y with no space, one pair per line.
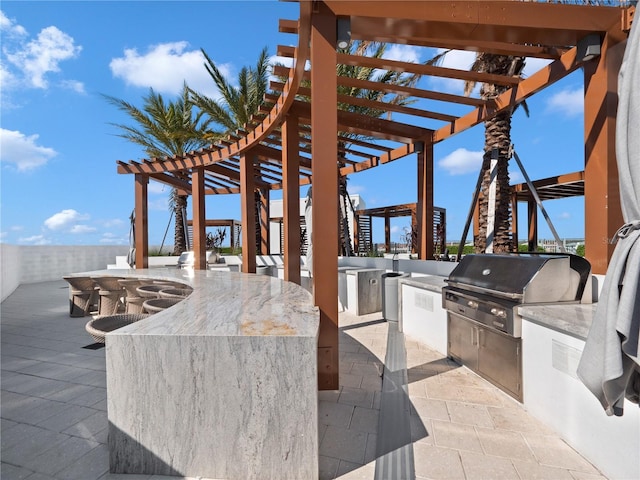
433,283
226,304
572,319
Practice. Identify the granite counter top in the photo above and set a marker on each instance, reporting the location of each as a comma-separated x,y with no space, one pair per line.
226,304
572,319
432,283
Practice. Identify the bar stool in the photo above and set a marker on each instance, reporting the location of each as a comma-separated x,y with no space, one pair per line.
175,292
110,295
133,301
150,290
101,325
83,295
155,305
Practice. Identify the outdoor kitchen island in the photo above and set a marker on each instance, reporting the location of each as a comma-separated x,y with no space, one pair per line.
221,385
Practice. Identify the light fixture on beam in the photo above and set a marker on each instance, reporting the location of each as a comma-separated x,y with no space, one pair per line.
588,47
343,32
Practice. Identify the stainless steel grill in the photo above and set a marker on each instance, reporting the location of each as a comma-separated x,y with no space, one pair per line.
481,300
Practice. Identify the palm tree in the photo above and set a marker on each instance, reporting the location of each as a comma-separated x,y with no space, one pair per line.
166,129
237,104
497,137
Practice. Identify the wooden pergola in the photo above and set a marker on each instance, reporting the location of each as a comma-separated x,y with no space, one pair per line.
438,225
294,140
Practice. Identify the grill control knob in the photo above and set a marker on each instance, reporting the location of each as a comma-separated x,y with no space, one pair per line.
498,312
472,304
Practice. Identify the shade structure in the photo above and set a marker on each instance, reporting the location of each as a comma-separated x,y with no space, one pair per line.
610,365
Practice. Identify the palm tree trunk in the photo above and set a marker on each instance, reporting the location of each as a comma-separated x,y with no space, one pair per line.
498,136
179,244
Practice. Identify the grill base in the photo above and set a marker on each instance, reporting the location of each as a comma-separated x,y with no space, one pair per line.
494,355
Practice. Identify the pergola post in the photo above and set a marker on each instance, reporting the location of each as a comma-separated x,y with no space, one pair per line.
425,202
291,199
356,235
532,218
263,219
142,221
324,150
514,221
199,219
603,214
248,211
387,232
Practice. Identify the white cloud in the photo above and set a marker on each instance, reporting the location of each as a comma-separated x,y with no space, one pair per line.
402,53
82,229
515,177
111,239
394,229
568,102
4,234
165,67
157,187
35,240
457,59
16,228
160,204
462,161
23,151
43,55
532,65
116,222
64,219
9,28
564,216
74,85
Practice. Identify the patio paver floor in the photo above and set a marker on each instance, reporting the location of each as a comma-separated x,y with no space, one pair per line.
449,423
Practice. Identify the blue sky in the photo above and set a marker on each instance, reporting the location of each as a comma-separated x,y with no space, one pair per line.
58,149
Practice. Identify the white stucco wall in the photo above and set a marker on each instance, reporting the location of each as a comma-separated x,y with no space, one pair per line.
32,264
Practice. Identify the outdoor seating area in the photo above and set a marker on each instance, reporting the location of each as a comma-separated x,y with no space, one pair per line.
116,301
322,358
452,423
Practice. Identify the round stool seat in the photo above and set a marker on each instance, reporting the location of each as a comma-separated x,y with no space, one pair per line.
155,305
150,291
175,292
103,324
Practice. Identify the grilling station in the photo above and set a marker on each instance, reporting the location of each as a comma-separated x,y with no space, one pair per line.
482,298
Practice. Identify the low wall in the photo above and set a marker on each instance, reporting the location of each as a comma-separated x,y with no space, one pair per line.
415,267
42,263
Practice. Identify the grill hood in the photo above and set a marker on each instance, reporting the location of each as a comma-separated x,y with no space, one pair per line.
523,277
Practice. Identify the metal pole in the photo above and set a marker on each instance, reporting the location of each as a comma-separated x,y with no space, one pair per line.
165,233
538,201
476,194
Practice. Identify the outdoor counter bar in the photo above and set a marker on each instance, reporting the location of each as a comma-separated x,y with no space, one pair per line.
553,338
221,385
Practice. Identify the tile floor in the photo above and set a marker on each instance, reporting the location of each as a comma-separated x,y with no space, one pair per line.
442,422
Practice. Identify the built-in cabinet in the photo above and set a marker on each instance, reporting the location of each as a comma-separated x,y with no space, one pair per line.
494,355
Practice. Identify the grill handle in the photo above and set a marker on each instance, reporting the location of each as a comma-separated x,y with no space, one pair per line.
489,291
